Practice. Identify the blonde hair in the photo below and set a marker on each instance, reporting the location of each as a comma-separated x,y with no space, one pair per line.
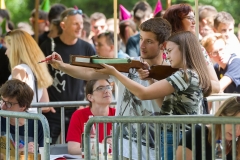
24,50
209,40
230,108
193,58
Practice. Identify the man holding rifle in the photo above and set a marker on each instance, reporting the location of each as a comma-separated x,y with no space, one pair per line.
153,33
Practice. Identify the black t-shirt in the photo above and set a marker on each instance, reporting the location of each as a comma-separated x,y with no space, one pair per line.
21,131
4,66
65,87
198,131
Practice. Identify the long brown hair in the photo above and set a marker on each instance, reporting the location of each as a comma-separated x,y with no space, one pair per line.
193,57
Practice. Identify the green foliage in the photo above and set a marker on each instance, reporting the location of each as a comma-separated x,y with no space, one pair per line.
21,9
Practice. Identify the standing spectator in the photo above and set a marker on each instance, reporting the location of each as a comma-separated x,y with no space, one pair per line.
142,11
4,66
66,88
99,95
43,23
98,25
207,14
224,24
181,17
127,28
105,46
54,13
24,55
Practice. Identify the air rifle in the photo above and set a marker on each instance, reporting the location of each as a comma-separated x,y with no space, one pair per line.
157,72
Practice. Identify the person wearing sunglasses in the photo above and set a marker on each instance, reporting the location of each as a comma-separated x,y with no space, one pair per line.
227,64
66,88
16,96
99,95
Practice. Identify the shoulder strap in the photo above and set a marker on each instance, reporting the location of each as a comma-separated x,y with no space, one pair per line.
36,86
52,45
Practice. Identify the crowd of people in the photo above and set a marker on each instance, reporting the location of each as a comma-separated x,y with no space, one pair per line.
207,62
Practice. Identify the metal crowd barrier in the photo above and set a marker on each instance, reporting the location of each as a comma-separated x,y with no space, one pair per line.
62,105
160,123
26,116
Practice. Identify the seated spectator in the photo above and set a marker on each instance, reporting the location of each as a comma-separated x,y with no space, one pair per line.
227,65
99,95
16,96
105,46
98,25
230,108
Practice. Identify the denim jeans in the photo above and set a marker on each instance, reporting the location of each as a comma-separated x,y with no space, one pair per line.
169,142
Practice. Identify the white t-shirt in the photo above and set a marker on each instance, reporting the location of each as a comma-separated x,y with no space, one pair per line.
31,83
129,105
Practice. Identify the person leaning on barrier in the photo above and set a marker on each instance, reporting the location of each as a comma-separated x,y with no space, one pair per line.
227,64
230,108
99,95
16,96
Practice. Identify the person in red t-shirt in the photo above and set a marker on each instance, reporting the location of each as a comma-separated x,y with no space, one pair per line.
99,95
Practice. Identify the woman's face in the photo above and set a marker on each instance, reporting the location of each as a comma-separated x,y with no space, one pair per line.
102,93
174,55
188,22
229,131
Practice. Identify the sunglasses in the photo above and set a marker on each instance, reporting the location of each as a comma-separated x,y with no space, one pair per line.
73,12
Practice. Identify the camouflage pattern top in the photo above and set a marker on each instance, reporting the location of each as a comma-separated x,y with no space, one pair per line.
188,96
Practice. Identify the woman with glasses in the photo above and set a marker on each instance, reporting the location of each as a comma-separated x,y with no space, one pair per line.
182,18
24,54
227,64
230,108
99,95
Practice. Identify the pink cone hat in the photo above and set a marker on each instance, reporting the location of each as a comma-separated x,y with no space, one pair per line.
158,7
124,13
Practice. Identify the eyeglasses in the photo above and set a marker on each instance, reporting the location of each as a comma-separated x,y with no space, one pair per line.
190,18
216,53
103,88
73,12
8,104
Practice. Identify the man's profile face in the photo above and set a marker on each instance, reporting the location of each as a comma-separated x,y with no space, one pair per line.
226,29
149,46
73,25
10,104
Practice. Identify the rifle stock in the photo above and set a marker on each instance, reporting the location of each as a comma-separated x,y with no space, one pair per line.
157,72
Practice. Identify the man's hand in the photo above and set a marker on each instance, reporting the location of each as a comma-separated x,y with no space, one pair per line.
55,60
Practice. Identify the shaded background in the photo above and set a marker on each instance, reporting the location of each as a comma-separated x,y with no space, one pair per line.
20,9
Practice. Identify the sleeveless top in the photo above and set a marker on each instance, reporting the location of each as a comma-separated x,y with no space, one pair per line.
31,83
